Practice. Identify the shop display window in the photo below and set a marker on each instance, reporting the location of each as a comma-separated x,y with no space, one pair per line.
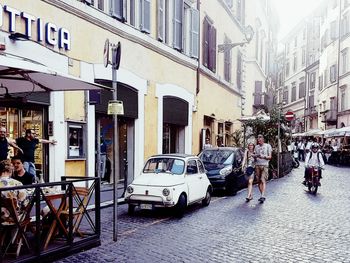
76,142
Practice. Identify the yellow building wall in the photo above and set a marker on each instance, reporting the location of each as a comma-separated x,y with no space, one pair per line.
75,168
88,47
216,96
74,105
151,121
215,99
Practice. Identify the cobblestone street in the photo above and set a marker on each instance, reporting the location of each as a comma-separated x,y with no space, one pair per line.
291,226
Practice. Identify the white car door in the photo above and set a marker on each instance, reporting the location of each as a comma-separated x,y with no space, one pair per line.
194,181
204,180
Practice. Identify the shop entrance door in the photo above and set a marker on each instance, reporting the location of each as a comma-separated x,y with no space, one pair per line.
104,158
126,151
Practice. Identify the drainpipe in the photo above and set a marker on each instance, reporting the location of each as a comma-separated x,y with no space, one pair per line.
338,66
307,88
198,67
199,49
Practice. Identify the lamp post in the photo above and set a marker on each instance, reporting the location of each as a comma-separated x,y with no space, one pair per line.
114,109
248,34
280,106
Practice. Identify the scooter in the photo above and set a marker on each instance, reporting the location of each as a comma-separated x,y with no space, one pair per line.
314,179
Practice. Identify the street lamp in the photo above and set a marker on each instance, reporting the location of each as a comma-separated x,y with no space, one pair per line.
248,34
280,106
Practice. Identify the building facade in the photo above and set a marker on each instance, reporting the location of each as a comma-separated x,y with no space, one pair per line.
260,56
176,85
325,71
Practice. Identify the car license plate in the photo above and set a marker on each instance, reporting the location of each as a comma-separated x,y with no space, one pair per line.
146,206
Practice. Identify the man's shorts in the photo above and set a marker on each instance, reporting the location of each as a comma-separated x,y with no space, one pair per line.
261,173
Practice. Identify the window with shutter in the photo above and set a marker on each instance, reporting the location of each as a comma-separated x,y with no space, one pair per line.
258,93
194,33
145,12
132,13
160,21
320,82
285,94
302,89
205,42
313,80
178,22
212,49
117,9
294,92
332,74
311,101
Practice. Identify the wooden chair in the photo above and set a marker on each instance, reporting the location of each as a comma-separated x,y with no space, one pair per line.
82,196
13,228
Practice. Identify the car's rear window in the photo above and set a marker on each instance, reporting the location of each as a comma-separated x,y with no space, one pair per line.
217,156
164,165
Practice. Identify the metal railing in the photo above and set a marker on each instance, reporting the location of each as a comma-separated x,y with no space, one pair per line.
59,220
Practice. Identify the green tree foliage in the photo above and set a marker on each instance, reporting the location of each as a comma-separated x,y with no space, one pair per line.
237,138
269,129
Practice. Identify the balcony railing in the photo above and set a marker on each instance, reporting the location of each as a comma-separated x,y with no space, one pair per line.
329,116
260,99
311,111
56,220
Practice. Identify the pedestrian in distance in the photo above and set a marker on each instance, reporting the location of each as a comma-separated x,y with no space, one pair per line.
263,152
207,144
301,150
20,174
28,143
5,143
248,166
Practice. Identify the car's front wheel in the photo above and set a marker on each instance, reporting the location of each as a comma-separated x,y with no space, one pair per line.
181,206
207,198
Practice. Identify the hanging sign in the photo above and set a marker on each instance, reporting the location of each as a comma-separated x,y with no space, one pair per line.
115,107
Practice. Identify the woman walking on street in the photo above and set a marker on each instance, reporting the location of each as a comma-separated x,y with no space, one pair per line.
248,166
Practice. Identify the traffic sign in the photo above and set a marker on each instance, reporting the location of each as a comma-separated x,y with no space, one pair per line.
289,115
106,53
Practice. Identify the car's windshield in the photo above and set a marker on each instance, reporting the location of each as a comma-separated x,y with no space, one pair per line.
164,165
217,156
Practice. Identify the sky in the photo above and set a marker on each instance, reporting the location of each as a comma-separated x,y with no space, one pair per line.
290,12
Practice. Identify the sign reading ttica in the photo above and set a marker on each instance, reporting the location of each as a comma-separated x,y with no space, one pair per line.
53,34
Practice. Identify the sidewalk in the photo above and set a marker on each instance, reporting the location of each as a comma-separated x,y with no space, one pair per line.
107,196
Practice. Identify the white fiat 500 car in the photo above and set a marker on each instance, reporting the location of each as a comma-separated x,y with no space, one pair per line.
169,180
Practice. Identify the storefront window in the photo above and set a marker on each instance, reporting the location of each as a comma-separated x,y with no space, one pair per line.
76,143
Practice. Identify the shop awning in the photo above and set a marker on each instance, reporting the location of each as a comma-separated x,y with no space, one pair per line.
345,131
299,134
327,133
313,132
19,75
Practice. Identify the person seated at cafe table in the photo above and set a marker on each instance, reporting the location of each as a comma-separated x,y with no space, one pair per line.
21,195
20,174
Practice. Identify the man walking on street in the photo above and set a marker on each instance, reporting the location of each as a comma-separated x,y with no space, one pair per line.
4,144
28,144
263,153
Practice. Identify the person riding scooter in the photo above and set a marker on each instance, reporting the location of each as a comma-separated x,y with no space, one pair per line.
313,159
